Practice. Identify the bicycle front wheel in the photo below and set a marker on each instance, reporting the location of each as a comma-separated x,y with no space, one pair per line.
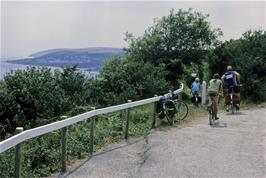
232,108
181,110
210,109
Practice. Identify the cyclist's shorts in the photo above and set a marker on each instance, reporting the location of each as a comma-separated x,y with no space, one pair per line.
235,89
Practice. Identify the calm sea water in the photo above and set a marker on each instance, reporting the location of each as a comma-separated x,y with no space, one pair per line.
6,67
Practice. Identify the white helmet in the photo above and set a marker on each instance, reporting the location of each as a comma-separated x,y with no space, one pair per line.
197,79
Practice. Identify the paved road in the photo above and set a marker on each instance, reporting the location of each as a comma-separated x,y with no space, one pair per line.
235,147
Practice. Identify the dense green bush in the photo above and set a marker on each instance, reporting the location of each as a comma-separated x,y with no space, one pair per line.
38,95
122,79
7,163
182,38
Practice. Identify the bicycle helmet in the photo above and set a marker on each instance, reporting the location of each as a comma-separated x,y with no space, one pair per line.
193,75
216,76
229,67
197,79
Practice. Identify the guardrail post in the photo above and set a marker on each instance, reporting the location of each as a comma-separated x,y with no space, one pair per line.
154,114
127,121
18,158
204,92
63,147
92,133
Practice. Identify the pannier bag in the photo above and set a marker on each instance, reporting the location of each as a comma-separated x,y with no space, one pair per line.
193,99
159,109
236,99
170,107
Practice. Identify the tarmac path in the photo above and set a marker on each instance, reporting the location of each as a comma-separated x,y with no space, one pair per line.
234,147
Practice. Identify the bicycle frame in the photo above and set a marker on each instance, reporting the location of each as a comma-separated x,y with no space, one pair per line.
167,114
176,113
231,96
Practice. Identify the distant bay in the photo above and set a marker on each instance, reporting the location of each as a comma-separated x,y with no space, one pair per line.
6,67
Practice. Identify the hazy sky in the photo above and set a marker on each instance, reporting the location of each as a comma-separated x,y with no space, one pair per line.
28,27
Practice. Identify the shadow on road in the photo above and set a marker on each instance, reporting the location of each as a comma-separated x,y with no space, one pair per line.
127,143
219,125
235,114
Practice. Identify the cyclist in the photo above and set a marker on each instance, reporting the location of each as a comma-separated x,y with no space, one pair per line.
232,79
192,79
214,90
195,89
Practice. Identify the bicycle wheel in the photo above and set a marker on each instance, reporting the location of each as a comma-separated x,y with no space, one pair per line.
169,118
232,108
181,110
213,114
210,114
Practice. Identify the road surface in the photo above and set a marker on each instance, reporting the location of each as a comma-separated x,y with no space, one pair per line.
234,147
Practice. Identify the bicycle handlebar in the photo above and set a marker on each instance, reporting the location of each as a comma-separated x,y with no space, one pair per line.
238,85
172,93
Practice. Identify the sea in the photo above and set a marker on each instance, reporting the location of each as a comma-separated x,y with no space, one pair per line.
6,67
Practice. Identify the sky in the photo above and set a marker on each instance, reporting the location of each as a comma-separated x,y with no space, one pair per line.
31,26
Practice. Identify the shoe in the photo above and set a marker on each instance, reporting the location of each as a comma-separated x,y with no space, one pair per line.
216,118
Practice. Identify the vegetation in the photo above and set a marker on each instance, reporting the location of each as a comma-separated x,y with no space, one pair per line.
169,51
129,79
177,41
37,96
248,56
89,59
41,156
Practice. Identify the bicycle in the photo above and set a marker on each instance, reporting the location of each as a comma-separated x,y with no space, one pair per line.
232,99
212,107
172,108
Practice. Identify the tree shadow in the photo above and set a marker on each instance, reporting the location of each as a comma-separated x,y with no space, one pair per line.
237,113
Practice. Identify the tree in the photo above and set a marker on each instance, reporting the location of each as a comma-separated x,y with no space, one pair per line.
248,56
74,85
8,109
181,38
122,78
39,95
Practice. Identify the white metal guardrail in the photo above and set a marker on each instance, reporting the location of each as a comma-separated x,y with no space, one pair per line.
28,134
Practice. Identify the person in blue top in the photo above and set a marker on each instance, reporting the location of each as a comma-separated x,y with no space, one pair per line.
232,79
195,88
